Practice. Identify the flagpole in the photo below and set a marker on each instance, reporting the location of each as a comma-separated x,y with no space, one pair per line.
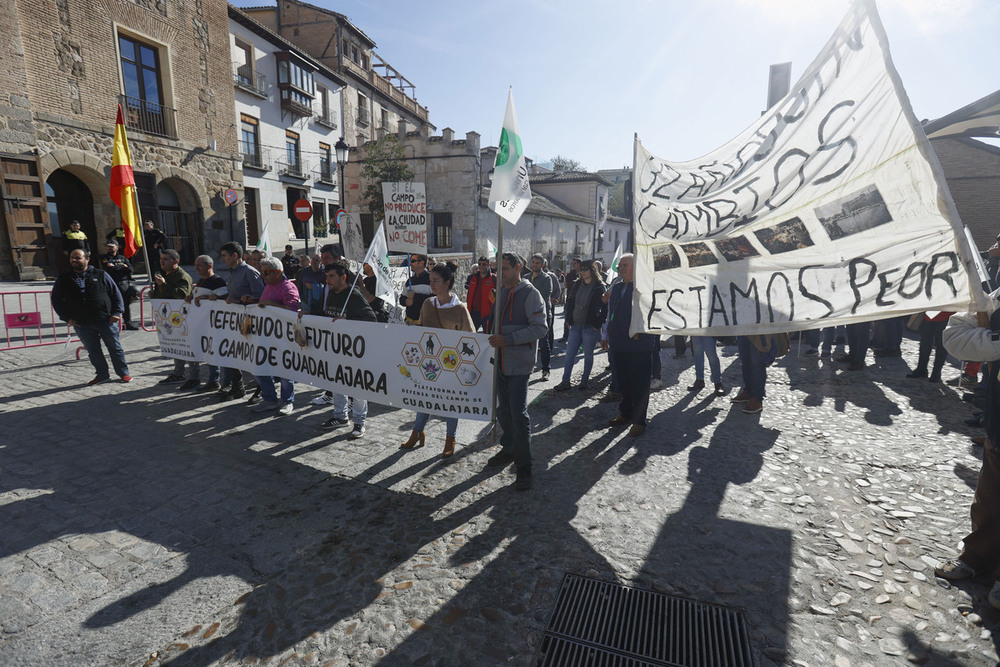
142,235
496,327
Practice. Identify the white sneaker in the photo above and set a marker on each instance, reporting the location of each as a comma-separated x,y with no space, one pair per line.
285,409
359,430
323,399
655,383
266,406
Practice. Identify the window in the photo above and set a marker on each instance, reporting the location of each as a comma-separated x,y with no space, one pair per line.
244,64
362,110
143,86
385,119
319,218
346,50
325,164
354,53
250,141
296,84
293,154
441,223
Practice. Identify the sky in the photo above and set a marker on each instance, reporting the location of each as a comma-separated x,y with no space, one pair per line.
686,76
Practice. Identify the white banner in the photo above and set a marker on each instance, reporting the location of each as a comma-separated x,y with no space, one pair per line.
830,209
439,371
405,205
351,237
510,192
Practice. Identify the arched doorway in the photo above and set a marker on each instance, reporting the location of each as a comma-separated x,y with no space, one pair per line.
68,198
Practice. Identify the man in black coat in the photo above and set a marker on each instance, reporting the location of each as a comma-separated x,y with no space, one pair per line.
89,301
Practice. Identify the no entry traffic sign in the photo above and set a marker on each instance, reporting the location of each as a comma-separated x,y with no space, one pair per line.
303,210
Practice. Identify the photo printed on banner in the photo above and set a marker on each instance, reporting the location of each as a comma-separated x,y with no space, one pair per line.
854,213
785,237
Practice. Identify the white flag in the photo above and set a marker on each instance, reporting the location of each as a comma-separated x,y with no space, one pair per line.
613,270
510,192
378,257
264,240
491,250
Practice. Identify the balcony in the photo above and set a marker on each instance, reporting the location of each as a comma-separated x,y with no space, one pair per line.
298,169
327,119
327,174
255,157
295,102
149,117
245,78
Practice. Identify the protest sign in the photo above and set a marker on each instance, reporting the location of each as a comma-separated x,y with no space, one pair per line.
830,209
405,217
438,371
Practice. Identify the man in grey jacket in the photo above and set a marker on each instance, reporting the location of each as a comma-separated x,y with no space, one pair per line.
976,337
520,322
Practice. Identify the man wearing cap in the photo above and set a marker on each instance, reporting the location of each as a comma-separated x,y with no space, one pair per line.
119,268
88,300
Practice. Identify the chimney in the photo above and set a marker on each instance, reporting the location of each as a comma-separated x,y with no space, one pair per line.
447,135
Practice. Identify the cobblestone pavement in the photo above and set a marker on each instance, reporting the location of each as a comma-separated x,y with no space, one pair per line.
145,526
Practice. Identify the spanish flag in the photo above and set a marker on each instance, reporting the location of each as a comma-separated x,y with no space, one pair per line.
123,187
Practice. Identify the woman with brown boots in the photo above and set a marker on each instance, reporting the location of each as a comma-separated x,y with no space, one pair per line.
444,310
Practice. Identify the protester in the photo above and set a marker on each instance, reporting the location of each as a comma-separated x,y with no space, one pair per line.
88,300
279,292
585,312
343,302
545,284
556,297
755,354
418,288
973,336
172,282
327,255
444,310
311,282
119,268
480,292
858,339
632,354
244,286
704,346
521,323
571,277
931,330
212,287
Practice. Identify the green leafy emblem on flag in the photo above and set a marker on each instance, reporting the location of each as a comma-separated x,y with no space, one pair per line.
504,154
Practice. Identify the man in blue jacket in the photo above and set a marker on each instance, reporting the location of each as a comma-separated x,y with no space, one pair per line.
520,323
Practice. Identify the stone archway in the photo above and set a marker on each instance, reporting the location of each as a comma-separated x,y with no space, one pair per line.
94,173
182,204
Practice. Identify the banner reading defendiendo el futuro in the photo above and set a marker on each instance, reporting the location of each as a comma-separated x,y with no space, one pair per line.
441,372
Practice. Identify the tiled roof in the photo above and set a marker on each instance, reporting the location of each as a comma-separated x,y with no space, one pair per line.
541,205
568,177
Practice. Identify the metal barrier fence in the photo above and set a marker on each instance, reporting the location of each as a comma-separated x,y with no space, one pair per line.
144,317
29,323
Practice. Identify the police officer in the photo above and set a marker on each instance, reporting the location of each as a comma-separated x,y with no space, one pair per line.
119,268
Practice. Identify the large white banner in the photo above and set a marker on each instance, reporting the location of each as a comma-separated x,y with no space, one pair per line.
830,209
405,205
439,371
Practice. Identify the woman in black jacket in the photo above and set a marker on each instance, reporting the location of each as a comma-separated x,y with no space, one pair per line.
585,313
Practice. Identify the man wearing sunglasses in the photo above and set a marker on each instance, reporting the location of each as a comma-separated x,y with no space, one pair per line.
419,288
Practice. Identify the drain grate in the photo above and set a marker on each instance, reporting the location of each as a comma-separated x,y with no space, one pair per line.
600,624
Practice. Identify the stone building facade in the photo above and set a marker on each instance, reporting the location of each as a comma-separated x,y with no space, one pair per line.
378,97
64,66
972,170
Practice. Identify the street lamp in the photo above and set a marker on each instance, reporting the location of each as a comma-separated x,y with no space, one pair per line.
342,150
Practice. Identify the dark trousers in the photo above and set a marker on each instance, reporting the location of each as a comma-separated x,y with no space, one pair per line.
930,337
753,368
982,545
680,345
633,368
858,338
129,294
91,336
481,321
512,416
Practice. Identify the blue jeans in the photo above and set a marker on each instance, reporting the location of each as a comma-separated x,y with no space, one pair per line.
512,416
359,409
754,370
704,346
91,336
580,334
266,384
213,371
422,418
